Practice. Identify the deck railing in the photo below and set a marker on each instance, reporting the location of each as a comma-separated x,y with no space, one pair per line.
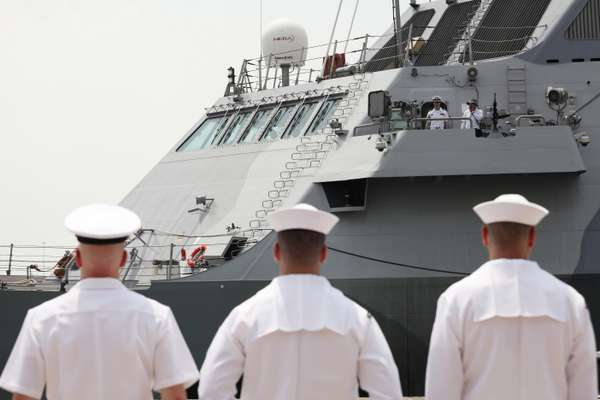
258,74
152,254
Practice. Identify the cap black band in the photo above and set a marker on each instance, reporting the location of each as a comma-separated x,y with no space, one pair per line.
87,240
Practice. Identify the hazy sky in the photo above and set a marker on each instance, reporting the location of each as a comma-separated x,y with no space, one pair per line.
93,93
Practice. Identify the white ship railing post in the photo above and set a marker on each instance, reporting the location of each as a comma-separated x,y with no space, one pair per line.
260,74
363,54
169,271
267,73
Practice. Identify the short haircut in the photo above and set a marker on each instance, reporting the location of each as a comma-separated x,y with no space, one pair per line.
301,245
508,234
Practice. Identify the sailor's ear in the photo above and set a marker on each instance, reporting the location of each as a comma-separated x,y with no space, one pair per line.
531,237
78,258
277,252
485,236
323,254
123,259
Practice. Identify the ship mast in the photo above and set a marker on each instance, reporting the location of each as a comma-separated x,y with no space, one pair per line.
398,32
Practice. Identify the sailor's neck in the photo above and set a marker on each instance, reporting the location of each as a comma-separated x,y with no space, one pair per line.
508,257
99,273
299,270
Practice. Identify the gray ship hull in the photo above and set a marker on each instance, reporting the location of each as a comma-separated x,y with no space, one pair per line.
404,197
404,307
401,285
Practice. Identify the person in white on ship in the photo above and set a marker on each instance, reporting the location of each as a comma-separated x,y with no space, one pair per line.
474,114
437,116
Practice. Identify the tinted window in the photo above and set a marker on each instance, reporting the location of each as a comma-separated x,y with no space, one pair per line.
236,127
323,116
303,115
279,122
255,128
204,135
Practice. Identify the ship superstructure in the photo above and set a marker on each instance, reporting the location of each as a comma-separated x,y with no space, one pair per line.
343,126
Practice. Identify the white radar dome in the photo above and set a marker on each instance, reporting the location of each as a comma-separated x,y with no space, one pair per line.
285,42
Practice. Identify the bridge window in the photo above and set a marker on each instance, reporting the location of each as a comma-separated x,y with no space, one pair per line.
303,115
279,123
237,126
204,135
256,126
322,118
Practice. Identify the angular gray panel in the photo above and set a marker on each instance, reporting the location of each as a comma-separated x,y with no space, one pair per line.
587,24
507,27
385,57
449,30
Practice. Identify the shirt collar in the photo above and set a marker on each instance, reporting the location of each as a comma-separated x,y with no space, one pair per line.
298,302
99,284
511,264
516,288
315,282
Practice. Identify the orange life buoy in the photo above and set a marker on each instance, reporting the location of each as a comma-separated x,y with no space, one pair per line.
197,256
201,248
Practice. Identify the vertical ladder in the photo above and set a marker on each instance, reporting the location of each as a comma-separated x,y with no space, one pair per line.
305,160
516,89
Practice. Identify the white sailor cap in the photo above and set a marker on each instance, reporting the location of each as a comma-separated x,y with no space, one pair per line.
102,224
434,98
510,208
303,216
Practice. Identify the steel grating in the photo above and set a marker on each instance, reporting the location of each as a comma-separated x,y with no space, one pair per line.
385,57
587,24
447,33
507,27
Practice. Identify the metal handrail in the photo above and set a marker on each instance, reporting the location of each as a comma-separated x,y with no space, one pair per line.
442,119
379,125
530,117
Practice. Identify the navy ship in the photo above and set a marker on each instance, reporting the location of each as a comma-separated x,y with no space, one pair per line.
343,126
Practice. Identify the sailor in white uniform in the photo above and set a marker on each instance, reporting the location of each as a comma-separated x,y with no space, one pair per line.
437,113
511,330
474,113
299,338
100,340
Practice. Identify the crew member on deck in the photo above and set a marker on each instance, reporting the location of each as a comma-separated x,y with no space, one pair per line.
511,330
299,338
100,340
437,113
474,113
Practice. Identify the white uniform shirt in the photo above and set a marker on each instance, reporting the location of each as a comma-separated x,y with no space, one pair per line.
299,338
99,341
437,114
511,331
475,116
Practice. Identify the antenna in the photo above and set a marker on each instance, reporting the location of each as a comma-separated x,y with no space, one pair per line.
351,25
337,17
398,32
261,27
